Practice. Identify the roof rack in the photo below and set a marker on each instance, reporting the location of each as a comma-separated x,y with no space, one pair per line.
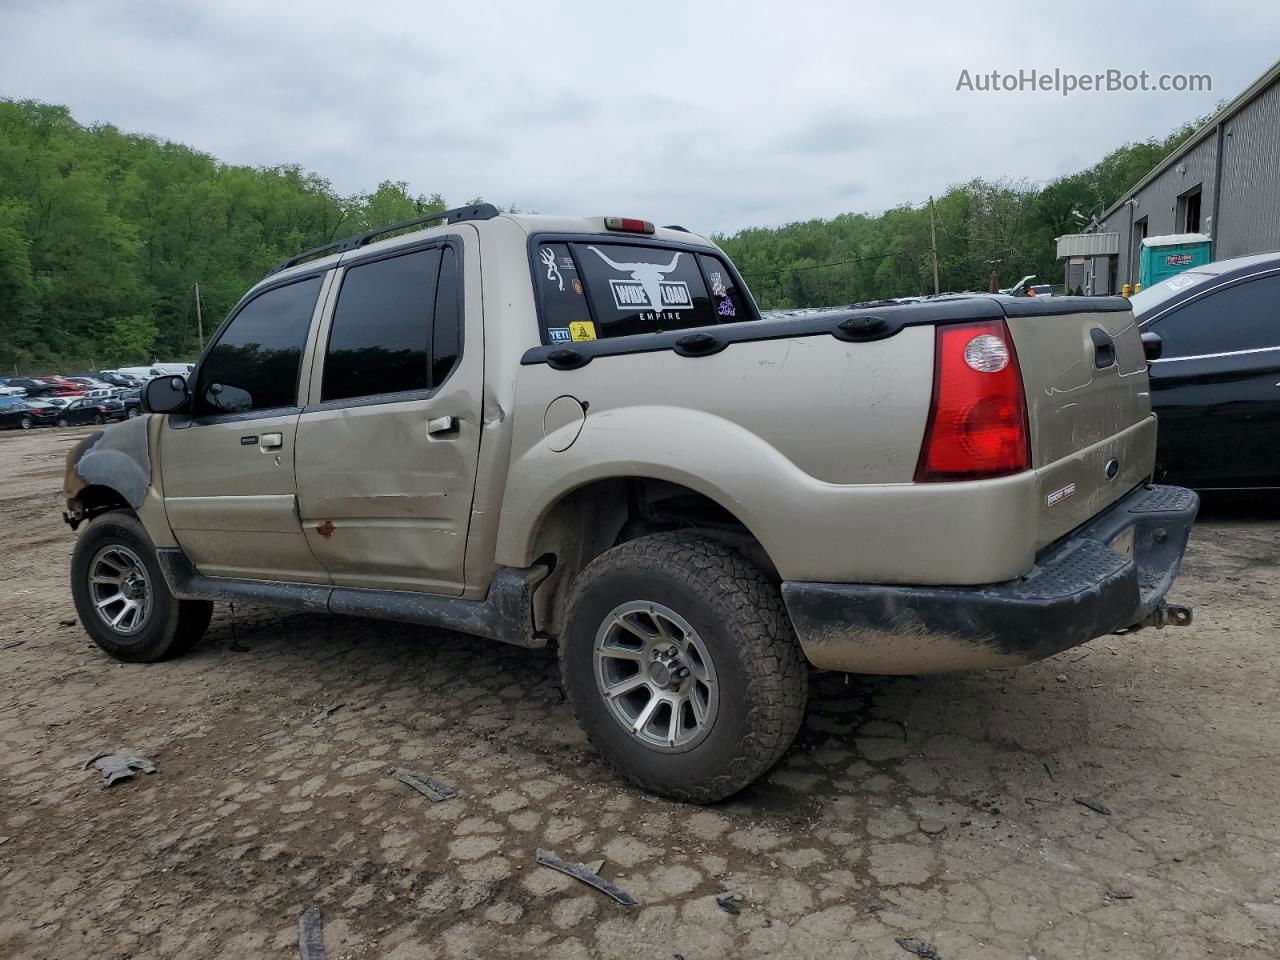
477,211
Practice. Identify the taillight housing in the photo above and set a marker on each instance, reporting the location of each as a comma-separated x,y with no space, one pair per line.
977,424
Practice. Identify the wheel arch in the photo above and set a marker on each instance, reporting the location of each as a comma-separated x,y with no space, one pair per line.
588,519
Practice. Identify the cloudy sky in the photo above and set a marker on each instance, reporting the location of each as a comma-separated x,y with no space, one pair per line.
717,115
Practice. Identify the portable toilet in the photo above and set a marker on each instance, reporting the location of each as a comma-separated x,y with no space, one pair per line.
1164,256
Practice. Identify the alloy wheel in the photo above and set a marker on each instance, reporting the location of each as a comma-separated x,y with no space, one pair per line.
656,676
120,589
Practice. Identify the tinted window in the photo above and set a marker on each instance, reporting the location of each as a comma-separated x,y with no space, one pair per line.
446,335
726,298
382,327
255,364
561,294
635,289
1245,316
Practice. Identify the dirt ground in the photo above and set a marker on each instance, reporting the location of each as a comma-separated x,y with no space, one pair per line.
941,808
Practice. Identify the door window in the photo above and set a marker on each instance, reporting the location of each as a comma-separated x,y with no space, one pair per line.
397,326
1244,316
256,361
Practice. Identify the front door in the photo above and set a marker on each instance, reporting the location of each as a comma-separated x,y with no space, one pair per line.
388,445
228,467
1216,387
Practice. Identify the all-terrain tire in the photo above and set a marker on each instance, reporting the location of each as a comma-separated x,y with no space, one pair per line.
171,627
739,616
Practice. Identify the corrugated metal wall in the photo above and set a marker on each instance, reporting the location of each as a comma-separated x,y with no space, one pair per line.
1248,218
1158,202
1249,211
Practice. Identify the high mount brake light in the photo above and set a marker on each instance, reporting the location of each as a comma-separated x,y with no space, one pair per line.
628,225
978,416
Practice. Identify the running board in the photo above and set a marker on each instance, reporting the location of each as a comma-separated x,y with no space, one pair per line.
505,614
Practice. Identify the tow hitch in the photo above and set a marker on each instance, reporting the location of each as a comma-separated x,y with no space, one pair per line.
1165,615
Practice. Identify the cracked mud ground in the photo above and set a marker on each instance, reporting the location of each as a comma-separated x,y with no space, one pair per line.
940,808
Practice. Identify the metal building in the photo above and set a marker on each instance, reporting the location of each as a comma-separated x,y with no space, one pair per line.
1223,181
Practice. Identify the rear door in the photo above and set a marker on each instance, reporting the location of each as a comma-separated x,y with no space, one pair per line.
388,445
1216,387
228,468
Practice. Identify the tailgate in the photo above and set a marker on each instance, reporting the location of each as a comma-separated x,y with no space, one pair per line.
1088,402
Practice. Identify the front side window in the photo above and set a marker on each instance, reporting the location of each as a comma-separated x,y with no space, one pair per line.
1244,316
256,361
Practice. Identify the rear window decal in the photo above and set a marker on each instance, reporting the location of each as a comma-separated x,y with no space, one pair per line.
582,330
647,289
726,308
559,334
548,258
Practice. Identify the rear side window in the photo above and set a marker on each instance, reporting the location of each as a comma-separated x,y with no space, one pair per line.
1245,316
255,363
380,337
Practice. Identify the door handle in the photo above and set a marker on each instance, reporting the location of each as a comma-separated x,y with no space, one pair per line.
442,427
272,441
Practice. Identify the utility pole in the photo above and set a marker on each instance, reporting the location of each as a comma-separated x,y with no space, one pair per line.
933,238
199,319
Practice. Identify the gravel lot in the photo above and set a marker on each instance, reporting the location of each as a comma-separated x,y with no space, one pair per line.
939,808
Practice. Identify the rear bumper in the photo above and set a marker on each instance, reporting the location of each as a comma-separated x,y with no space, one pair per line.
1081,587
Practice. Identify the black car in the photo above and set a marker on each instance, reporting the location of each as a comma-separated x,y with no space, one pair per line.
15,414
34,388
86,410
132,400
46,410
1216,384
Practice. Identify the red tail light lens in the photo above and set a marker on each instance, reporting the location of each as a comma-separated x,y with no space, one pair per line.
978,419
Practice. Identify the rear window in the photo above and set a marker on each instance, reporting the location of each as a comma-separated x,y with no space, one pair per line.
591,291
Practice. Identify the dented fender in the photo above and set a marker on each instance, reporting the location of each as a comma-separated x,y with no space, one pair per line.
117,458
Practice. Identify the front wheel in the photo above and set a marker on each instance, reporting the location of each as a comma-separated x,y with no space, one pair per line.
99,419
681,665
121,596
133,412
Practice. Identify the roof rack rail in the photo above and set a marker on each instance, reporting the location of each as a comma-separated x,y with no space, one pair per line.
477,211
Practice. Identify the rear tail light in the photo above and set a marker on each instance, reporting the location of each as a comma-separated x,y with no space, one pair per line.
978,418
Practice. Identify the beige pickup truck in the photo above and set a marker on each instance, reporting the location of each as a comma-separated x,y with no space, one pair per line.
539,429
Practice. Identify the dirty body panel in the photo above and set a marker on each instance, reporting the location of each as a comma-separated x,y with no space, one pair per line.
1108,576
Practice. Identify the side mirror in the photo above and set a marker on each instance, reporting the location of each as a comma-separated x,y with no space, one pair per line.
164,395
1152,345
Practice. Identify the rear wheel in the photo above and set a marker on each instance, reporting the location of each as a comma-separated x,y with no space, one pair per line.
121,596
682,667
25,423
62,422
133,412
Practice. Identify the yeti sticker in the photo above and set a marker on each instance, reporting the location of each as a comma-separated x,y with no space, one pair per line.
647,290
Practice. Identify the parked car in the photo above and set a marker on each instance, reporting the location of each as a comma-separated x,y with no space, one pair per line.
15,414
1216,384
132,400
140,374
625,457
86,410
45,411
117,379
33,388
